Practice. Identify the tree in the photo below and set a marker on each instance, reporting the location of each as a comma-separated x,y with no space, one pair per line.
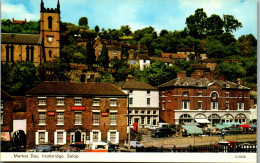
83,21
103,59
231,71
18,78
121,69
90,57
231,24
196,24
248,44
126,30
163,32
96,28
214,25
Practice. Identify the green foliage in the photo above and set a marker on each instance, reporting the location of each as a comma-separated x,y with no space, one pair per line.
103,59
106,77
32,27
18,78
83,21
90,56
231,71
97,28
121,68
126,30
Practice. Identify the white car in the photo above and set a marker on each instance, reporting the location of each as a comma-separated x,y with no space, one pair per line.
133,144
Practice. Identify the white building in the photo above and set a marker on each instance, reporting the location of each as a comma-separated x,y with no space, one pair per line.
143,102
144,61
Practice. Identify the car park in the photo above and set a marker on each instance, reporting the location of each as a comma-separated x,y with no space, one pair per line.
133,144
162,132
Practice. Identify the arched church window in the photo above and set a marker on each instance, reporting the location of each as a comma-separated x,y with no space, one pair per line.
32,53
50,22
12,53
50,54
27,53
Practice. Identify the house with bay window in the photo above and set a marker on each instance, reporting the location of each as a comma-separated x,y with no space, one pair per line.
143,102
75,113
188,99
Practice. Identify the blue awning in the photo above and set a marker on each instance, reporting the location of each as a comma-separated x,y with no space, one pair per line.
194,130
226,125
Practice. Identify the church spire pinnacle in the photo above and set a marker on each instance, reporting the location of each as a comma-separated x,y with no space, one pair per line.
58,6
42,5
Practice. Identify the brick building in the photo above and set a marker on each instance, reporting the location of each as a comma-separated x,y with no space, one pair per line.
36,48
187,99
76,113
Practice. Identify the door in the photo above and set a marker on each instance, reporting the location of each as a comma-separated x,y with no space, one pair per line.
154,122
78,137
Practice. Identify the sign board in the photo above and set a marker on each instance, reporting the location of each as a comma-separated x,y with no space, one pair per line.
104,114
78,108
51,113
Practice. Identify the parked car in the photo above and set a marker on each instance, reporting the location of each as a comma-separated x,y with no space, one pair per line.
162,132
73,149
97,147
172,127
152,127
43,148
133,144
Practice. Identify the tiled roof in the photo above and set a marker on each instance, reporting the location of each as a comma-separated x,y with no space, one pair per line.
174,55
143,56
185,50
209,60
73,88
201,82
10,38
5,95
199,67
162,59
19,103
135,85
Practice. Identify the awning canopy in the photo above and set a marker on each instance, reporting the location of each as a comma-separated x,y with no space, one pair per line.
194,130
191,123
202,120
245,126
253,126
226,125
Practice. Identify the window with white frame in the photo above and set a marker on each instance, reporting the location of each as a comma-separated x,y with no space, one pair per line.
199,93
130,91
41,137
163,93
99,51
60,101
78,101
142,120
154,112
240,105
112,118
214,96
131,101
113,137
148,92
214,105
78,118
148,101
227,94
59,137
143,112
148,112
113,102
240,95
199,105
60,118
185,105
2,117
185,94
95,118
96,102
227,105
42,101
148,120
163,105
95,136
136,111
42,118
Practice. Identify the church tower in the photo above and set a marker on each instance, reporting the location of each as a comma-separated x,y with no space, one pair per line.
50,32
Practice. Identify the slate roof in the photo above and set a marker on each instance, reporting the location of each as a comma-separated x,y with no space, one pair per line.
135,85
75,88
11,38
5,95
201,82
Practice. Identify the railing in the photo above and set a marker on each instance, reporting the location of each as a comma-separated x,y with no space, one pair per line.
210,148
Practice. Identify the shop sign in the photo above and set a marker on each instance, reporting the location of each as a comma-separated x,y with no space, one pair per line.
78,108
104,114
51,113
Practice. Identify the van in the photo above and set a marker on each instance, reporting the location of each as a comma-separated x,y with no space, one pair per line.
162,132
97,147
133,144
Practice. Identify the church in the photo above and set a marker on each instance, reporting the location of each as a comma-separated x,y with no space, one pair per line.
36,48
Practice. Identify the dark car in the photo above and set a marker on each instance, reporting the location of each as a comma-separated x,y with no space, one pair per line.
162,132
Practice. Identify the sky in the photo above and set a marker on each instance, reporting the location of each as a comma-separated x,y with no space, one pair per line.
160,14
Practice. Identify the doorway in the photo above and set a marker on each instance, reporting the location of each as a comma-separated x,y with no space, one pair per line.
78,137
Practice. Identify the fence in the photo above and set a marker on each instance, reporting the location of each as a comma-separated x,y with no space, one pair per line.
210,148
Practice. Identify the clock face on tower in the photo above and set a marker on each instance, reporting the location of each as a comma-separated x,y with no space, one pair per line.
50,39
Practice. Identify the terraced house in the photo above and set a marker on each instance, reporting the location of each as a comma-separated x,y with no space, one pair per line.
187,99
76,113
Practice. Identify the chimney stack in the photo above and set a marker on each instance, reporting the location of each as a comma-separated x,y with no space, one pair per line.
181,74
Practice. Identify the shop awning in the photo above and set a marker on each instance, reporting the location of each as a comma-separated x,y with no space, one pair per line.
245,126
226,125
202,120
253,126
191,123
5,136
194,130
